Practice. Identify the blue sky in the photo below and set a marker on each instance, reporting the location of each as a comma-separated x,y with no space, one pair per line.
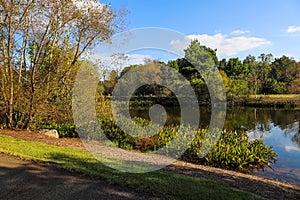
235,28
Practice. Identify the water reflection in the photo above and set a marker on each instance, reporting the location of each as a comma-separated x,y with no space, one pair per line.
278,128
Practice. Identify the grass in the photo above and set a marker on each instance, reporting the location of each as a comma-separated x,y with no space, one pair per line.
288,101
159,183
288,96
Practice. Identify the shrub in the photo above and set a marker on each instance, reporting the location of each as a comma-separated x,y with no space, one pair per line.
233,150
64,130
116,135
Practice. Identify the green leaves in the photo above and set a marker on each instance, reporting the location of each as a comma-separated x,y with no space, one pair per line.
233,150
64,130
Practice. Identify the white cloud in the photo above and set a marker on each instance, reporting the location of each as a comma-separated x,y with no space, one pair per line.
291,148
293,29
239,32
225,44
257,134
134,59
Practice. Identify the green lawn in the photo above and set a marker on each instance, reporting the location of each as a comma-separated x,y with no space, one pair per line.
159,183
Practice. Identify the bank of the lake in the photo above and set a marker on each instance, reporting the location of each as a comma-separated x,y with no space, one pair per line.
195,181
278,128
288,101
273,101
161,183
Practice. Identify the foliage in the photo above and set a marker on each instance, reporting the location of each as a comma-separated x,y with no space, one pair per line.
252,76
64,130
286,105
116,135
41,45
37,77
233,151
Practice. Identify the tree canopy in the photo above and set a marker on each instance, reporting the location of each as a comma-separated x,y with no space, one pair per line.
41,45
253,75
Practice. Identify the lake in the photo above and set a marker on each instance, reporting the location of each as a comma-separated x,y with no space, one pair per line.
278,128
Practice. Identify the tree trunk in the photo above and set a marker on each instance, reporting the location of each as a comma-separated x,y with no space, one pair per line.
11,74
11,97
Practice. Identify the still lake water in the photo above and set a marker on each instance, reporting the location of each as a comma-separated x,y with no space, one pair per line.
279,128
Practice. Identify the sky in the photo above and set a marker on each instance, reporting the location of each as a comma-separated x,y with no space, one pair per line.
234,28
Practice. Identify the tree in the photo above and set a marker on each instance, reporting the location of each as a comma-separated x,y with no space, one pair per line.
111,82
204,63
266,58
222,64
265,68
283,72
201,57
235,67
13,18
294,86
254,74
43,41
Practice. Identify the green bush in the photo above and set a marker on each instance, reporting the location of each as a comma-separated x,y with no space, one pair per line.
233,150
64,130
286,105
116,135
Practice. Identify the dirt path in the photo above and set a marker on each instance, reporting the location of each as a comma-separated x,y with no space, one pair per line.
256,185
21,179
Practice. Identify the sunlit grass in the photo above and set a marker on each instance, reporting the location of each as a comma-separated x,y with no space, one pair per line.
159,183
275,96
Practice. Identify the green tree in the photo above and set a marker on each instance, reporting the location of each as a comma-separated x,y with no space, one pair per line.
264,74
235,67
111,82
253,75
202,66
42,41
222,64
294,86
283,72
200,57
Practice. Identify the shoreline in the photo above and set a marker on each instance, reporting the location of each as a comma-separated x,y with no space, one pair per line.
291,101
250,183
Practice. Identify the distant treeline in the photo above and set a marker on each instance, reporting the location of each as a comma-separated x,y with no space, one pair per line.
262,75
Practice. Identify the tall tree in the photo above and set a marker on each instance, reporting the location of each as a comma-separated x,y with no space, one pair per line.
13,15
235,67
294,86
35,37
254,74
265,68
283,72
204,62
200,57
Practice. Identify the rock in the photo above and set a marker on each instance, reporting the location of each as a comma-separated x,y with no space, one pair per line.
50,133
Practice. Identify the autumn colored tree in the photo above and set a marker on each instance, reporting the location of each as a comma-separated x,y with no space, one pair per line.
41,43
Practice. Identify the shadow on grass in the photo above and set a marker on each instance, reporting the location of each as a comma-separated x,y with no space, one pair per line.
26,180
183,182
240,181
160,183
